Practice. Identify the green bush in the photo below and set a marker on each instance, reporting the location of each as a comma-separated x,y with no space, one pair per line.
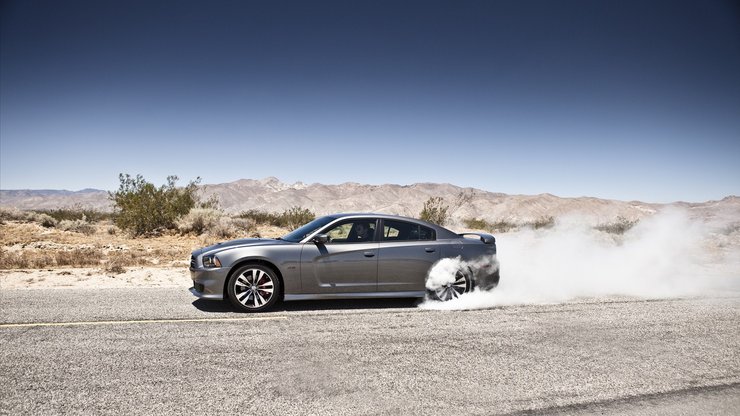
46,221
435,211
542,222
291,218
500,226
503,226
259,217
477,224
144,209
294,217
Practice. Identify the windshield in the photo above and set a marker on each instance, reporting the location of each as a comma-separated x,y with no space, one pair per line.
302,232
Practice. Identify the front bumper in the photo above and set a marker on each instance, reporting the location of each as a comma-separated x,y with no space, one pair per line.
208,283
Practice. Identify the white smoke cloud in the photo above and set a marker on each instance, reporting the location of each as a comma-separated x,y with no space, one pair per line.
666,255
443,273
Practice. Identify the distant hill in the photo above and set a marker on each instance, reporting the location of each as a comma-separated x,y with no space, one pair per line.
52,199
270,194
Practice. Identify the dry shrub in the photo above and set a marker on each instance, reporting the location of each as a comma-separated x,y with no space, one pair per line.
45,220
620,226
77,212
114,267
223,230
215,223
128,258
232,227
500,226
199,220
542,222
14,214
291,218
172,253
25,259
79,257
78,226
244,225
731,228
13,260
208,240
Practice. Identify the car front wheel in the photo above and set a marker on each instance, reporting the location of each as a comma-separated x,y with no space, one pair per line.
253,288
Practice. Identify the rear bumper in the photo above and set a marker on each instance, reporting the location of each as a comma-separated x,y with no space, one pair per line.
208,283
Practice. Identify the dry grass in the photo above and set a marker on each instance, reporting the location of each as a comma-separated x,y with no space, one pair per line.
78,257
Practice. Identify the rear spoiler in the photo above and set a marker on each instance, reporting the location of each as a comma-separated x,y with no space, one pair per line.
485,238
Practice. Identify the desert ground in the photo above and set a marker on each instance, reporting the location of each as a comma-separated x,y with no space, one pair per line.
35,257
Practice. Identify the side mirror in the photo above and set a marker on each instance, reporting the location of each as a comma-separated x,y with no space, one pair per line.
320,239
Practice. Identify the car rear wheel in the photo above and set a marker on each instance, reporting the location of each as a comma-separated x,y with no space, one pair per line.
463,283
253,288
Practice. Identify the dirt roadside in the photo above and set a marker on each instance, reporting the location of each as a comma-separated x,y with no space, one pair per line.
35,257
94,278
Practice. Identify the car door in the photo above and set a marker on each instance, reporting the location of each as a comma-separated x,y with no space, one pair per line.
407,251
347,263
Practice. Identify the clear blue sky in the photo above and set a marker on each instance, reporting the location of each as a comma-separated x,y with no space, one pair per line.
616,99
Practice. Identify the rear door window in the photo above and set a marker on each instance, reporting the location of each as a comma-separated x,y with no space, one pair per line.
394,230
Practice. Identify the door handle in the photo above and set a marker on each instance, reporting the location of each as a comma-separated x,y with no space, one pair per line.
430,249
369,254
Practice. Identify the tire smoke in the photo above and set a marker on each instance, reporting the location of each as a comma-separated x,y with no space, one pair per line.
666,255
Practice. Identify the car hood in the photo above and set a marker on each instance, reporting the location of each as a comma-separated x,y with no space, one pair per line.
244,242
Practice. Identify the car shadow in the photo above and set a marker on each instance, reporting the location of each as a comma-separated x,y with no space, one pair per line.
206,305
218,306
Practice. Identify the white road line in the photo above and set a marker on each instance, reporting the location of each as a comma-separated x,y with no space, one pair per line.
144,321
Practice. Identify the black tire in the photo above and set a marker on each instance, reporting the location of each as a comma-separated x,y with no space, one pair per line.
496,278
489,282
463,284
253,288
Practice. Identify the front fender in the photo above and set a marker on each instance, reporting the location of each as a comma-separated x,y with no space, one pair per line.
285,258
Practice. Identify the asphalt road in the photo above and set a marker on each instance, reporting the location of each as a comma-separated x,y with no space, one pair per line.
158,351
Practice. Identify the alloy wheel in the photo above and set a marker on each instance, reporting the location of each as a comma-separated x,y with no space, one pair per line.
253,288
454,289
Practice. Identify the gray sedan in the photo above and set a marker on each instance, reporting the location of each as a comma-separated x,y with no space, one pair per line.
343,256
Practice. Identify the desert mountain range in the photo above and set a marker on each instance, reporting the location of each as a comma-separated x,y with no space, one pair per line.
270,194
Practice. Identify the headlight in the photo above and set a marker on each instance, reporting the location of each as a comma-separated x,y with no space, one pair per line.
211,261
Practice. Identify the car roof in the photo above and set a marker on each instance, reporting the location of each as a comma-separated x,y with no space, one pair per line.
441,231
